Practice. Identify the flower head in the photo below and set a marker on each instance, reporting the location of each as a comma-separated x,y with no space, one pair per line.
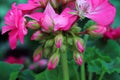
15,23
97,10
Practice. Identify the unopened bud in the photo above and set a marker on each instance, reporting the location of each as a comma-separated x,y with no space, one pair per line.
54,60
43,3
37,54
80,45
77,57
49,43
58,40
96,30
37,35
54,3
33,24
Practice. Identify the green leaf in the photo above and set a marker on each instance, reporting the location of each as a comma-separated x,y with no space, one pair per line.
27,75
9,71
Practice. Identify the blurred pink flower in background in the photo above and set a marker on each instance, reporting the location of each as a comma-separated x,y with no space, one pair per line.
15,23
13,60
112,33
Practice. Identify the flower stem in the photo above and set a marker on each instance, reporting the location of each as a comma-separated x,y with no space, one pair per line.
102,75
90,75
83,76
65,66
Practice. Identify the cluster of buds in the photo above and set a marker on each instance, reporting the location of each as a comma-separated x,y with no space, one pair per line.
53,22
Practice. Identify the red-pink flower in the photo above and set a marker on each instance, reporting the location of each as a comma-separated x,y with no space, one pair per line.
100,11
33,4
15,23
112,33
49,20
13,60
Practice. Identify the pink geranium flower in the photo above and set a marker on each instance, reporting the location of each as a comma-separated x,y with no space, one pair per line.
49,20
100,11
33,4
15,23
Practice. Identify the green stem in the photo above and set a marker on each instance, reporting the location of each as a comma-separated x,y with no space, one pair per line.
77,76
83,76
102,75
65,66
90,75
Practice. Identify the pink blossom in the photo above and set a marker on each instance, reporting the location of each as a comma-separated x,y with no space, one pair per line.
77,57
13,60
100,11
32,4
15,23
112,33
49,20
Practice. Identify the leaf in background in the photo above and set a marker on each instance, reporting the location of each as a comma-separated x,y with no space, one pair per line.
26,75
112,49
50,75
9,71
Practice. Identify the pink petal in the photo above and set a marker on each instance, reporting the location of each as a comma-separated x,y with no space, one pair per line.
13,39
36,15
103,14
27,6
6,28
50,11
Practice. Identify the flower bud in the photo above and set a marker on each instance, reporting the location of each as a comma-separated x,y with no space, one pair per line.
66,1
49,43
37,35
37,54
54,3
43,3
53,61
80,45
96,30
77,57
58,40
32,24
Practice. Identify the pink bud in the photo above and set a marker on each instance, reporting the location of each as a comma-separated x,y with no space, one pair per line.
53,61
37,57
58,40
37,54
36,35
80,45
33,24
77,57
97,30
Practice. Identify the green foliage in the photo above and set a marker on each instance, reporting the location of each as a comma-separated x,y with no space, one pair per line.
8,71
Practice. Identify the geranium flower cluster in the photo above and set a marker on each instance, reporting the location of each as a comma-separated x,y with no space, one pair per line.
55,25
